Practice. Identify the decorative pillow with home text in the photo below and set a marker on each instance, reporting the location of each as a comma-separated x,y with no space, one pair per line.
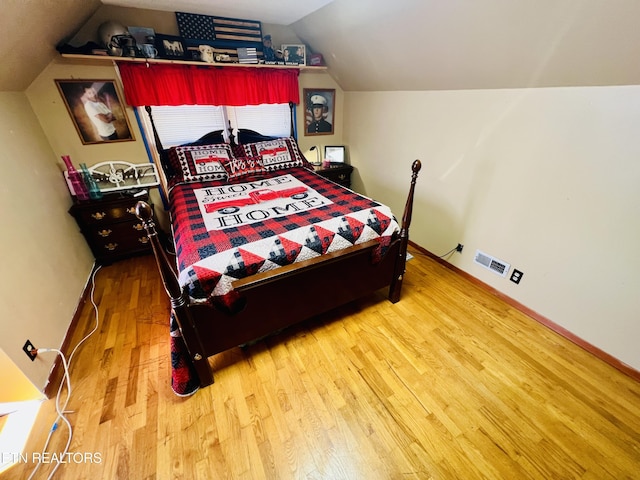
203,162
277,154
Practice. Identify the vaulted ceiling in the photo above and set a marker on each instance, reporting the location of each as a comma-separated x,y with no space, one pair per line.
280,12
388,45
472,44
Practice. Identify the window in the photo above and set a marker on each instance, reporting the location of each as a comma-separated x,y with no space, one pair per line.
271,120
184,124
187,123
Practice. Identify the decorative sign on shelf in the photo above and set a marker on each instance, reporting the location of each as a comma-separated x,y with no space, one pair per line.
225,35
116,176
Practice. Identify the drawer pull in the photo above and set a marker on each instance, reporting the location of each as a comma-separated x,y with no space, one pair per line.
98,215
131,210
105,233
138,226
342,176
143,240
111,246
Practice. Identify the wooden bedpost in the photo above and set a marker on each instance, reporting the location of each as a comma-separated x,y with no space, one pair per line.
179,298
292,116
232,138
156,137
396,283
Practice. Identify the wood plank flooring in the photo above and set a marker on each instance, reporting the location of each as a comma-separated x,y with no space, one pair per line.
449,383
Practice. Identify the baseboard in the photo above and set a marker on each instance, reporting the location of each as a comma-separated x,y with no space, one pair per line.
602,355
57,370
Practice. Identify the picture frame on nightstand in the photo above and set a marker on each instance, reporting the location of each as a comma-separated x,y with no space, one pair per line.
335,153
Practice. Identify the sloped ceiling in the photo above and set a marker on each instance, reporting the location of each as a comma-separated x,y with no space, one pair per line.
474,44
279,12
29,32
391,45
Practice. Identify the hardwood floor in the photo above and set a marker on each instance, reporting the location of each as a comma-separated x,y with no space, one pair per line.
449,383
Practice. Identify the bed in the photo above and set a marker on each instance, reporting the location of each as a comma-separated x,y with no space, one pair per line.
257,235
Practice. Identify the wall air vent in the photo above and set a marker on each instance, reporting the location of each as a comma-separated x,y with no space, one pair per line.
492,263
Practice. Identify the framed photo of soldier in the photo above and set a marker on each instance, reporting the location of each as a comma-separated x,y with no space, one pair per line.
320,106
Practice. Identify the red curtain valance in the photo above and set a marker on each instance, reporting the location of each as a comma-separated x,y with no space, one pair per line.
159,84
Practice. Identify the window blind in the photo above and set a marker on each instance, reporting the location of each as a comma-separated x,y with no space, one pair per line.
272,120
186,123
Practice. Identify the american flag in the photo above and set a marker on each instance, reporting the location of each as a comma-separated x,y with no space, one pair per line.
234,31
195,26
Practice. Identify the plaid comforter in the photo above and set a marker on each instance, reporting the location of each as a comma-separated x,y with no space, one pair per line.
224,232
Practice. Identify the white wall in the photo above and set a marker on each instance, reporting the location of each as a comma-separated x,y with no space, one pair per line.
45,260
545,179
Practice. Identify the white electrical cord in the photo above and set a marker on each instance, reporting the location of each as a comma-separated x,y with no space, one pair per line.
63,410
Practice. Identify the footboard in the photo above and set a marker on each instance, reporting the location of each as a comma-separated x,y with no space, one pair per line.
297,292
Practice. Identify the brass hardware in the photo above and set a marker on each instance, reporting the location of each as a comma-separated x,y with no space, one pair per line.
131,210
143,240
105,233
111,246
98,215
138,227
197,356
342,176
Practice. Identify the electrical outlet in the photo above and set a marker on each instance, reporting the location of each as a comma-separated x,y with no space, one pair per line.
459,247
30,350
516,276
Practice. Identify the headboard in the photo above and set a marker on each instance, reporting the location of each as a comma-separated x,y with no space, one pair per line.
244,136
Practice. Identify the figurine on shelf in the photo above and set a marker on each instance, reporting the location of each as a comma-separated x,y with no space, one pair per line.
268,53
206,53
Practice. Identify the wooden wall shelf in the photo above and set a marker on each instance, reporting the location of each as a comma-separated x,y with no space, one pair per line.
102,59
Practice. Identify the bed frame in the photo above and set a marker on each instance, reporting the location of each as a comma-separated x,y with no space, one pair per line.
350,273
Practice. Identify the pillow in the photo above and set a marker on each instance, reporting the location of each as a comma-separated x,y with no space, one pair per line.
243,167
202,162
276,154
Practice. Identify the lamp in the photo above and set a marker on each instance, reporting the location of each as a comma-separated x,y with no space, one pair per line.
317,162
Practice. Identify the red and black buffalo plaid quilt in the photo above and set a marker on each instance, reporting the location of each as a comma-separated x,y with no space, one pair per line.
226,231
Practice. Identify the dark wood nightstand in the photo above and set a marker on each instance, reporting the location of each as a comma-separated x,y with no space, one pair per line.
336,172
111,227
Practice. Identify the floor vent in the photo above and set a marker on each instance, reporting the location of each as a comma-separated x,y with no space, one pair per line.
492,263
